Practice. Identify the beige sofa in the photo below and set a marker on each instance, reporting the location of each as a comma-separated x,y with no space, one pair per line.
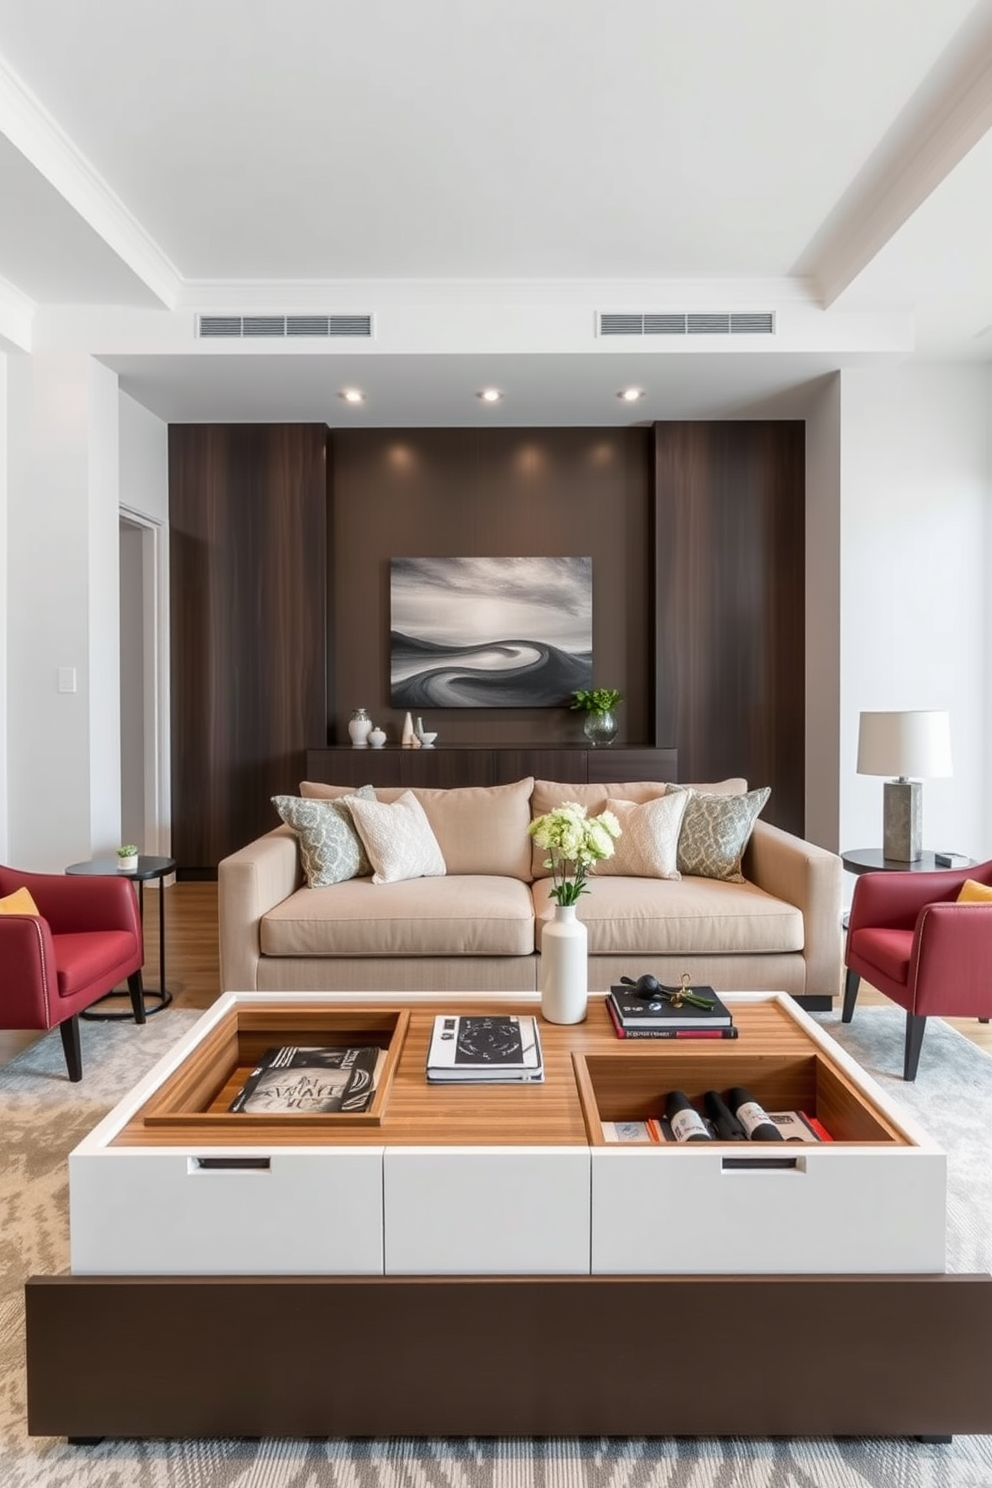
479,927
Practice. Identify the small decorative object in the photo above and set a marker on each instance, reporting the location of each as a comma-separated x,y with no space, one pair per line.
409,738
377,738
575,843
359,728
600,725
127,858
425,740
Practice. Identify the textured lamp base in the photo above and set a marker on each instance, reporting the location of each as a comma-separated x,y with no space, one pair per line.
902,835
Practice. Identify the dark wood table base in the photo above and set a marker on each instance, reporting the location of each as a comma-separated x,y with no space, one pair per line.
537,1356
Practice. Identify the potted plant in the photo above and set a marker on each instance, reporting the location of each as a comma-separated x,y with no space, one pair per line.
600,724
127,858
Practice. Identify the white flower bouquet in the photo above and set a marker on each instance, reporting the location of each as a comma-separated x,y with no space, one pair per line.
575,843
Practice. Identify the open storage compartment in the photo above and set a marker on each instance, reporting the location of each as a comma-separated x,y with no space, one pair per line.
613,1087
197,1097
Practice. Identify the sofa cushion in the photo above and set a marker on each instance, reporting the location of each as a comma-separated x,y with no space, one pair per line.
716,830
551,793
474,915
480,829
330,848
654,917
648,844
398,839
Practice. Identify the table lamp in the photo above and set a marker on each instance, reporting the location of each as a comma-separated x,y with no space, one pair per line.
904,745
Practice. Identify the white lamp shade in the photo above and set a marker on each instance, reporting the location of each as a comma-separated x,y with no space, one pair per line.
916,745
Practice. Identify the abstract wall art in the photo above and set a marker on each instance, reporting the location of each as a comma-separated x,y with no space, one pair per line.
489,632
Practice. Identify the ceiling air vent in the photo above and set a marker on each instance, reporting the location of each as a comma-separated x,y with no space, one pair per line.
679,323
240,326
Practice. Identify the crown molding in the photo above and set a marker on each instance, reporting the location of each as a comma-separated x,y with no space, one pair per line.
918,157
35,133
16,318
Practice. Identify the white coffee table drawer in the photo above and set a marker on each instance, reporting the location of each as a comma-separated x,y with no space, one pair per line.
486,1211
173,1213
844,1210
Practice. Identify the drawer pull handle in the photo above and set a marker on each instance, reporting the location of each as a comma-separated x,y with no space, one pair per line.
762,1164
229,1164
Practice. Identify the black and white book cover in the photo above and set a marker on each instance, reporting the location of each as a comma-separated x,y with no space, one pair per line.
310,1081
493,1048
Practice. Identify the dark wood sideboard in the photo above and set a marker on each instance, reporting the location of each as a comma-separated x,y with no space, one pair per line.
460,765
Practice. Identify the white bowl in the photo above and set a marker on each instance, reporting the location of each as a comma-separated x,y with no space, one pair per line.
427,740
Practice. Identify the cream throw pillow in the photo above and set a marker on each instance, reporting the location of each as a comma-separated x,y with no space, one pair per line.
19,902
398,839
331,851
648,844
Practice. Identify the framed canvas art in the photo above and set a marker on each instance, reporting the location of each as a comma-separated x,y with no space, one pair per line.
489,632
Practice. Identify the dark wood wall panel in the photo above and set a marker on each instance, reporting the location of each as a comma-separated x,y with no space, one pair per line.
249,590
491,492
729,510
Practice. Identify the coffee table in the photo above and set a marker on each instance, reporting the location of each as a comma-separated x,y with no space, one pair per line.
326,1276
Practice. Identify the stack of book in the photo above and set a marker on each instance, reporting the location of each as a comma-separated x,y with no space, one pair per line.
496,1050
659,1016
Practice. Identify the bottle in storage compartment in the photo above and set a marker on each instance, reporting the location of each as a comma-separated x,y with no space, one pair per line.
725,1123
686,1123
752,1117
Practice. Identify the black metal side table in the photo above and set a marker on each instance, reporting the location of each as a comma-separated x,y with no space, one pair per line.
147,868
872,860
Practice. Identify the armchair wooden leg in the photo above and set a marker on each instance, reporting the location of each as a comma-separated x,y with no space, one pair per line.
916,1027
852,982
137,996
71,1048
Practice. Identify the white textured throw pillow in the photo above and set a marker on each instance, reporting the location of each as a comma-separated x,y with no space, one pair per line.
648,844
398,839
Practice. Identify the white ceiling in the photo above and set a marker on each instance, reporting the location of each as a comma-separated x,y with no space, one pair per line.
170,156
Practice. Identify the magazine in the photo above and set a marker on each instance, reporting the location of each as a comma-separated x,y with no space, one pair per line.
311,1081
496,1049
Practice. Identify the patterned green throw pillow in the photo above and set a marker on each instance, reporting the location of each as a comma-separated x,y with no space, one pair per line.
330,848
715,832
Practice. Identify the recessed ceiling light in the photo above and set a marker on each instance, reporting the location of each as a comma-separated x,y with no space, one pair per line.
352,395
630,395
490,395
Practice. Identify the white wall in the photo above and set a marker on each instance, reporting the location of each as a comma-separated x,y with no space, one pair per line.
62,607
4,583
914,616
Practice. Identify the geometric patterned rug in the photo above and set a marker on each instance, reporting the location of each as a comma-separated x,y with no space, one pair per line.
43,1116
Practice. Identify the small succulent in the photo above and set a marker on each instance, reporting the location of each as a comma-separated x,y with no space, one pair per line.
128,850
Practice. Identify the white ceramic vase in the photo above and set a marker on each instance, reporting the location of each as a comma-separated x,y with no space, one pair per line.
359,728
564,967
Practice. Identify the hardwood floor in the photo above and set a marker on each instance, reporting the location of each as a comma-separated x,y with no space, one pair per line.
193,973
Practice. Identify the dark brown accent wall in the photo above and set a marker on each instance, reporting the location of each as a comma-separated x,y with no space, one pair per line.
280,599
729,513
249,589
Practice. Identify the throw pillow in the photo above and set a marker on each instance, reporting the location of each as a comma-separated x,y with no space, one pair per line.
398,839
330,848
649,837
19,902
973,892
715,832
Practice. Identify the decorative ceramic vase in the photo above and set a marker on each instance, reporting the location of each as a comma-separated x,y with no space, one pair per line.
600,728
564,967
377,738
409,739
359,728
128,864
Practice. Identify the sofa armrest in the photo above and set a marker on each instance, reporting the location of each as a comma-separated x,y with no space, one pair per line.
249,883
810,878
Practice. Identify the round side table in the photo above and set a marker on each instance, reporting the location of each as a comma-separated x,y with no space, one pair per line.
872,860
148,868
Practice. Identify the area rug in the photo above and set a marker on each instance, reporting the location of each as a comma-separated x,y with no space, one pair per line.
42,1117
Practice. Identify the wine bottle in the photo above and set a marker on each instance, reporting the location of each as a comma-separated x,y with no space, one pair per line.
728,1128
686,1123
752,1117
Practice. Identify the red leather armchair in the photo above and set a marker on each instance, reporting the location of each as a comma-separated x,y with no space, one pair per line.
86,940
909,938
